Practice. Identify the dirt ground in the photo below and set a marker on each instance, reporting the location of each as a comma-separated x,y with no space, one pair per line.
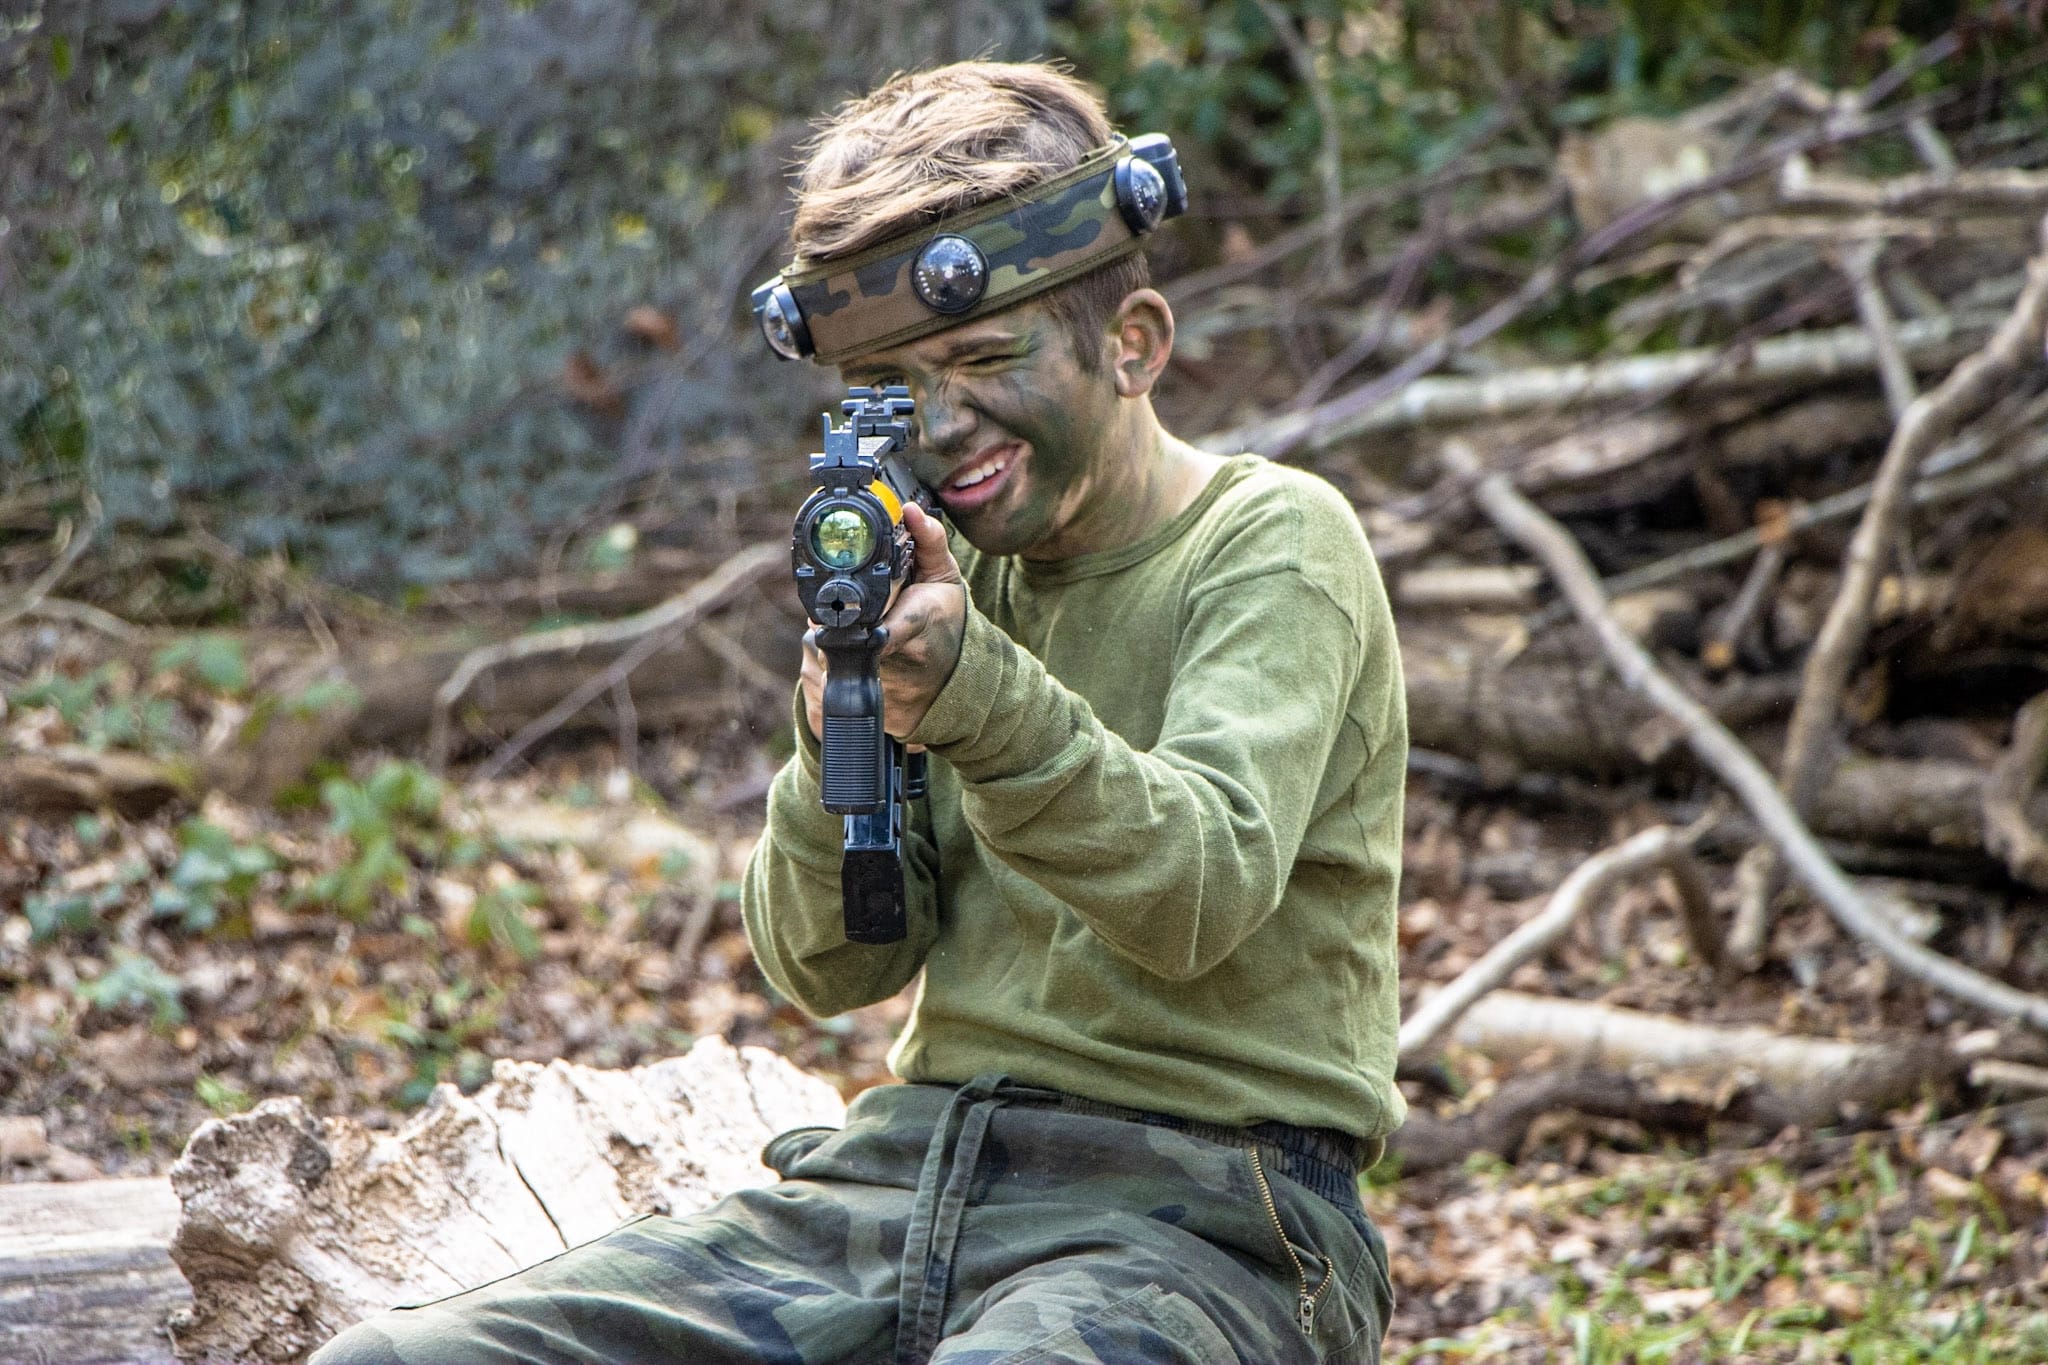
158,971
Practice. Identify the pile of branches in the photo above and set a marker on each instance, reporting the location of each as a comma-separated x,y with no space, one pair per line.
1780,554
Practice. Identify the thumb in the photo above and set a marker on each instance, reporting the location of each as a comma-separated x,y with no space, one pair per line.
935,562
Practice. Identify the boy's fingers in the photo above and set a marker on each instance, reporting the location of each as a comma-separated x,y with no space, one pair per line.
935,563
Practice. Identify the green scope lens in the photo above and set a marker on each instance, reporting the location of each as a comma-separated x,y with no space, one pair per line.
842,539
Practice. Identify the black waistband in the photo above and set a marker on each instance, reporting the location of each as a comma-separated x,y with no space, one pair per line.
1325,1160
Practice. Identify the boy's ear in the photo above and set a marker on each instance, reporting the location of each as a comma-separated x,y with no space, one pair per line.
1141,337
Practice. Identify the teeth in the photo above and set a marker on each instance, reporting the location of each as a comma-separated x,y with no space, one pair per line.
979,475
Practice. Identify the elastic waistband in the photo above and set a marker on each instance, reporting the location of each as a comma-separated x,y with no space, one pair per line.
1325,1160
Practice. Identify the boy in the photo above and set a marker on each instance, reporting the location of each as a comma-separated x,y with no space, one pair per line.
1152,890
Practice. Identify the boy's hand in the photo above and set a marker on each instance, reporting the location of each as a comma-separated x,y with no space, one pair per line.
925,623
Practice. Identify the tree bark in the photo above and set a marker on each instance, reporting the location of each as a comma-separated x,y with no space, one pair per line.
293,1229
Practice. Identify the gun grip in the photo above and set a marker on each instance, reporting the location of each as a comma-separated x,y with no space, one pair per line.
856,751
871,883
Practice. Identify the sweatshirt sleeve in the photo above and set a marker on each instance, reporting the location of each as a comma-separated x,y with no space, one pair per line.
792,905
1175,854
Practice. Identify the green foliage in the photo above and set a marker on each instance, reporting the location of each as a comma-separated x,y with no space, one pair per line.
221,1095
322,695
394,814
313,272
135,981
438,1031
53,911
499,917
215,660
101,712
214,875
1870,1271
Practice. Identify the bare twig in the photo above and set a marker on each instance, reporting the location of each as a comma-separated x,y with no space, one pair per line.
1583,889
1931,146
1793,358
2014,191
1524,523
1859,262
1724,644
85,614
70,547
659,628
628,717
1462,166
1928,420
1353,412
734,655
1929,492
2008,833
1759,873
1380,318
730,577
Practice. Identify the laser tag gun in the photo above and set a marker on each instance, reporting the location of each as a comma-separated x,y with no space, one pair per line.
850,552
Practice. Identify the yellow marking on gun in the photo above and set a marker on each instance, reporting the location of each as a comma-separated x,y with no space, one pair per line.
887,497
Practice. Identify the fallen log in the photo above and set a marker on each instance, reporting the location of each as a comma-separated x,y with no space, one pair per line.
1719,750
275,1230
1501,1125
1660,847
85,1274
75,778
292,1229
1787,1079
2009,833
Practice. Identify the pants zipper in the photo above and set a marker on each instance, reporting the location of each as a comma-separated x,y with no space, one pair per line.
1306,1304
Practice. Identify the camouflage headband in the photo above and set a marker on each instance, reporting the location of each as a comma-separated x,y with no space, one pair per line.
976,261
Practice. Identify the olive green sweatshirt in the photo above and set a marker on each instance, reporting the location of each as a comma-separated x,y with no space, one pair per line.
1158,862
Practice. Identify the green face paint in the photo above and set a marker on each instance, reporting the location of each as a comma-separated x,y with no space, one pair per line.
1017,437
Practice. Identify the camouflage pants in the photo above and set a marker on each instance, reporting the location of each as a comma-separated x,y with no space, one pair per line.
989,1225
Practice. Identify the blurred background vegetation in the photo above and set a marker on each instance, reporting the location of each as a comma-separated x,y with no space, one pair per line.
413,290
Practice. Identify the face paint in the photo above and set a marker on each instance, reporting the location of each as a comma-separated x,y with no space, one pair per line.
1027,450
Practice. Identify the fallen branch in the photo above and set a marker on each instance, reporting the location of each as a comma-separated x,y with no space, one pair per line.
1725,643
1501,1125
1926,421
1758,877
1929,492
2008,832
2018,191
83,614
677,616
660,623
1798,1080
1767,229
1859,262
70,547
1359,410
75,778
1551,544
1796,358
1461,166
1659,847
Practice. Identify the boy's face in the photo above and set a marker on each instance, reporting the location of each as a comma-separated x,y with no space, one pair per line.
1014,433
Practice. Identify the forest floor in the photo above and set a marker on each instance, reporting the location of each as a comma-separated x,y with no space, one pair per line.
376,933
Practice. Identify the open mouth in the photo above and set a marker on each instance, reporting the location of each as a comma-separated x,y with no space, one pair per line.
979,481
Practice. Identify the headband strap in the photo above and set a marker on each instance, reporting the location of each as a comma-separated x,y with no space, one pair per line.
977,261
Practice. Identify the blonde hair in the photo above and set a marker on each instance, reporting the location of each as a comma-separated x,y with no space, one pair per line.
931,143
